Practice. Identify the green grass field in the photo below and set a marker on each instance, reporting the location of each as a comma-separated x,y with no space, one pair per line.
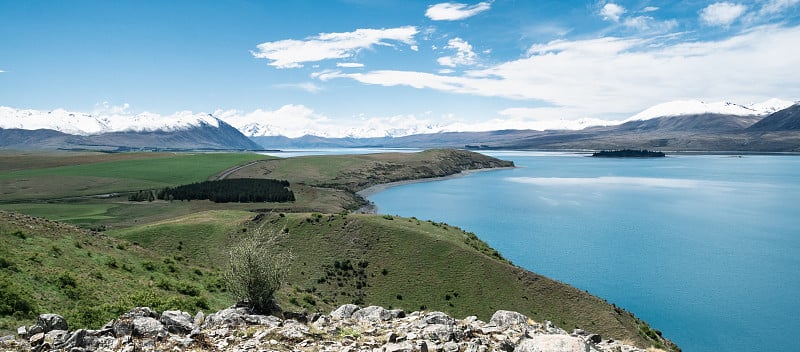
92,178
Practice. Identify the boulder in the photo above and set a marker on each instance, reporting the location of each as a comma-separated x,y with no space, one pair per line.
56,337
76,339
141,312
553,343
439,332
50,322
148,327
177,322
404,346
505,319
344,312
438,318
372,313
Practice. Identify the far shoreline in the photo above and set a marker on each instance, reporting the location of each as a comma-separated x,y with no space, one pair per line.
372,190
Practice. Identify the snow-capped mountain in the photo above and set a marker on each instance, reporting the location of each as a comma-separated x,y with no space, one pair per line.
83,124
696,107
24,129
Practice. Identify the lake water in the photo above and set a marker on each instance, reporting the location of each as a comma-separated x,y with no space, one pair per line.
705,248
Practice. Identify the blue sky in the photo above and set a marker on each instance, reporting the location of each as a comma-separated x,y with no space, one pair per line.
327,64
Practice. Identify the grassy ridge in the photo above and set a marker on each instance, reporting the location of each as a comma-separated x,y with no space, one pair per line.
357,172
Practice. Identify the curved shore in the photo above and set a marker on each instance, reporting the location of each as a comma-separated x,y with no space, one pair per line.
372,209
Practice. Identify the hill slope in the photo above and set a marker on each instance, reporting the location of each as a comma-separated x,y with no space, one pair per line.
401,263
785,120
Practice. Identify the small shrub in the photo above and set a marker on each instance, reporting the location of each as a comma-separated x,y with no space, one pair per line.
111,262
310,300
55,251
66,280
256,269
388,217
149,266
14,300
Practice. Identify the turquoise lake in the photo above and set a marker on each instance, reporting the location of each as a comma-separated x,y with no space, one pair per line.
703,247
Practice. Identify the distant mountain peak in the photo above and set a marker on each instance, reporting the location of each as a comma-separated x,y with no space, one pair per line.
83,124
697,107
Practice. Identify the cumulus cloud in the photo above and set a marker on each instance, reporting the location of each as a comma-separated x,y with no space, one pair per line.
310,87
292,53
613,76
293,121
463,56
349,64
452,11
777,6
647,23
722,13
106,108
650,9
612,11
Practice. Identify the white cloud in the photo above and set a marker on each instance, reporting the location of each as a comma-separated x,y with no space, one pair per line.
612,77
463,56
306,86
612,11
647,23
777,6
722,13
105,108
650,9
292,53
1,71
446,71
295,121
451,11
349,64
414,48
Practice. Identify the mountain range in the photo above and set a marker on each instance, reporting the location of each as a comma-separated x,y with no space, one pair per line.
60,129
773,125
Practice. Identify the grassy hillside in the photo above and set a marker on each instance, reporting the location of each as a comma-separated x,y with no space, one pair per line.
48,266
393,262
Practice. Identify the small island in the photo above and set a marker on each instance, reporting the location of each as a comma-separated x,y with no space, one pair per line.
628,153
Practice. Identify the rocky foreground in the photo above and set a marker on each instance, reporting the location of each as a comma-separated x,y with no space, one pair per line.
348,328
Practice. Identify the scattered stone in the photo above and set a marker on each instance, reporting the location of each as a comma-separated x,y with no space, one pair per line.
50,322
177,322
148,327
372,313
438,318
505,319
22,332
345,312
375,329
553,343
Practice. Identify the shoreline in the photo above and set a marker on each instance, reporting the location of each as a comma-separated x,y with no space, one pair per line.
371,190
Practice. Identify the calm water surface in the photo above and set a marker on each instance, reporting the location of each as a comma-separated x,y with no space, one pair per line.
705,248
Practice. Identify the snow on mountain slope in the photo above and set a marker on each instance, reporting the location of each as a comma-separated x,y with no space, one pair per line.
695,107
83,124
